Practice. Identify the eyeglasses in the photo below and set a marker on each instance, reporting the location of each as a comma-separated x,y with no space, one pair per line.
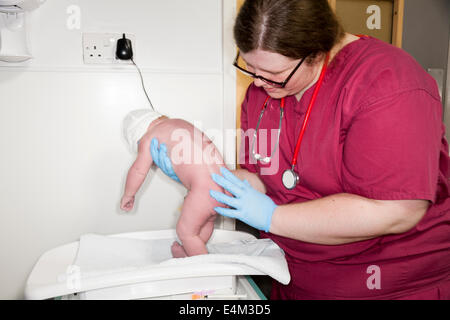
270,82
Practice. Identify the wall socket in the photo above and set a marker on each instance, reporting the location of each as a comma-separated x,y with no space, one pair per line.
100,48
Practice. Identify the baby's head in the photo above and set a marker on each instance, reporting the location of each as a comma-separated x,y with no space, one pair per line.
135,125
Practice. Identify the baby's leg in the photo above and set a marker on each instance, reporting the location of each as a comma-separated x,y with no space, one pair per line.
178,250
207,230
196,223
205,233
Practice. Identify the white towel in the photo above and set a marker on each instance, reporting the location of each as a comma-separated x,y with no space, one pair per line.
99,255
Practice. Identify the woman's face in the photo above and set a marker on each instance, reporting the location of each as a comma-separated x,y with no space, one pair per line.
276,67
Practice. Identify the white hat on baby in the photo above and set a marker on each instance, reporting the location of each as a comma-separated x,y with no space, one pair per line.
135,125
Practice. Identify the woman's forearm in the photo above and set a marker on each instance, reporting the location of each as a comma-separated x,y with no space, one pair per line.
345,218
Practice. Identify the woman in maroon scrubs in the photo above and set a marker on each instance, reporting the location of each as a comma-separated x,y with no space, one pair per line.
369,215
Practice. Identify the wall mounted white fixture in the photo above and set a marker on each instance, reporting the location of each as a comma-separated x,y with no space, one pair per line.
14,46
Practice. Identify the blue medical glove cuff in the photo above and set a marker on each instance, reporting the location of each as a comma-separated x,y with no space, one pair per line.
268,223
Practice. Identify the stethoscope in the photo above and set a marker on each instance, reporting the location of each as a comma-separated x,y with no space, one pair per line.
290,178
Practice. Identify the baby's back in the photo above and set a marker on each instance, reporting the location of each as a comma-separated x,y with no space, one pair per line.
193,155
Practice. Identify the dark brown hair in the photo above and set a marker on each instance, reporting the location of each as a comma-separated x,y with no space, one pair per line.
292,28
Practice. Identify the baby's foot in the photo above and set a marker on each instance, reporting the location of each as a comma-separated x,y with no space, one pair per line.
178,250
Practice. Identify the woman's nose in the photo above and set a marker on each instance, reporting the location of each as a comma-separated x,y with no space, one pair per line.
258,82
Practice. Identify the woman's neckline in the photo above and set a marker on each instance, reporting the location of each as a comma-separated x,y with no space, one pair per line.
342,47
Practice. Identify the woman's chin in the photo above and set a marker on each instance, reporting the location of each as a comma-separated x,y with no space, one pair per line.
275,93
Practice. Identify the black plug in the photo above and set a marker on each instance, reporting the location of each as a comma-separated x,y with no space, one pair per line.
124,50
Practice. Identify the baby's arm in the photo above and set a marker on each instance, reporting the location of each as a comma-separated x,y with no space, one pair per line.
136,174
252,178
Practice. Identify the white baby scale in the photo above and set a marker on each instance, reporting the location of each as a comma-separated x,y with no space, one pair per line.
66,272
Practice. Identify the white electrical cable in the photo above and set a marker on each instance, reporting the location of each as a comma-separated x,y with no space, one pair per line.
143,85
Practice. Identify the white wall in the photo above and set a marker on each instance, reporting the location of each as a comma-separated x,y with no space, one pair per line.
63,159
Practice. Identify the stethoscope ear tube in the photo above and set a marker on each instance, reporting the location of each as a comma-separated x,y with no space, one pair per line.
256,155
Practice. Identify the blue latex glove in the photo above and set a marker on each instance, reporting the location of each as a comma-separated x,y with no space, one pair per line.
250,206
159,155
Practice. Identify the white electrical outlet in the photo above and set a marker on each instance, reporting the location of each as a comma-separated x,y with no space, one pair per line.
100,48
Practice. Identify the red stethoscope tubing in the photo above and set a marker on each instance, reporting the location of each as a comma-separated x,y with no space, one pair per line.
308,111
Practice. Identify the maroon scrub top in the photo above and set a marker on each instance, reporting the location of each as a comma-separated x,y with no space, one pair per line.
376,131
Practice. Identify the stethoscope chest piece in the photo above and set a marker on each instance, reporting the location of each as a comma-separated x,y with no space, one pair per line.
290,179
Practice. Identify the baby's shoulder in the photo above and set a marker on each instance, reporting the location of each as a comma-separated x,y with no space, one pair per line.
171,127
178,123
144,142
169,130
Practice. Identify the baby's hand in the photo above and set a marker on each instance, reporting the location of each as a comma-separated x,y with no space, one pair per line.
127,203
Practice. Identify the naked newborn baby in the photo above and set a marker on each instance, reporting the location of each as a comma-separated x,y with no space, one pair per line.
194,157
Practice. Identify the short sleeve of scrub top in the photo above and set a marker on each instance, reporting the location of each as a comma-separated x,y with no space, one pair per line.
390,152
